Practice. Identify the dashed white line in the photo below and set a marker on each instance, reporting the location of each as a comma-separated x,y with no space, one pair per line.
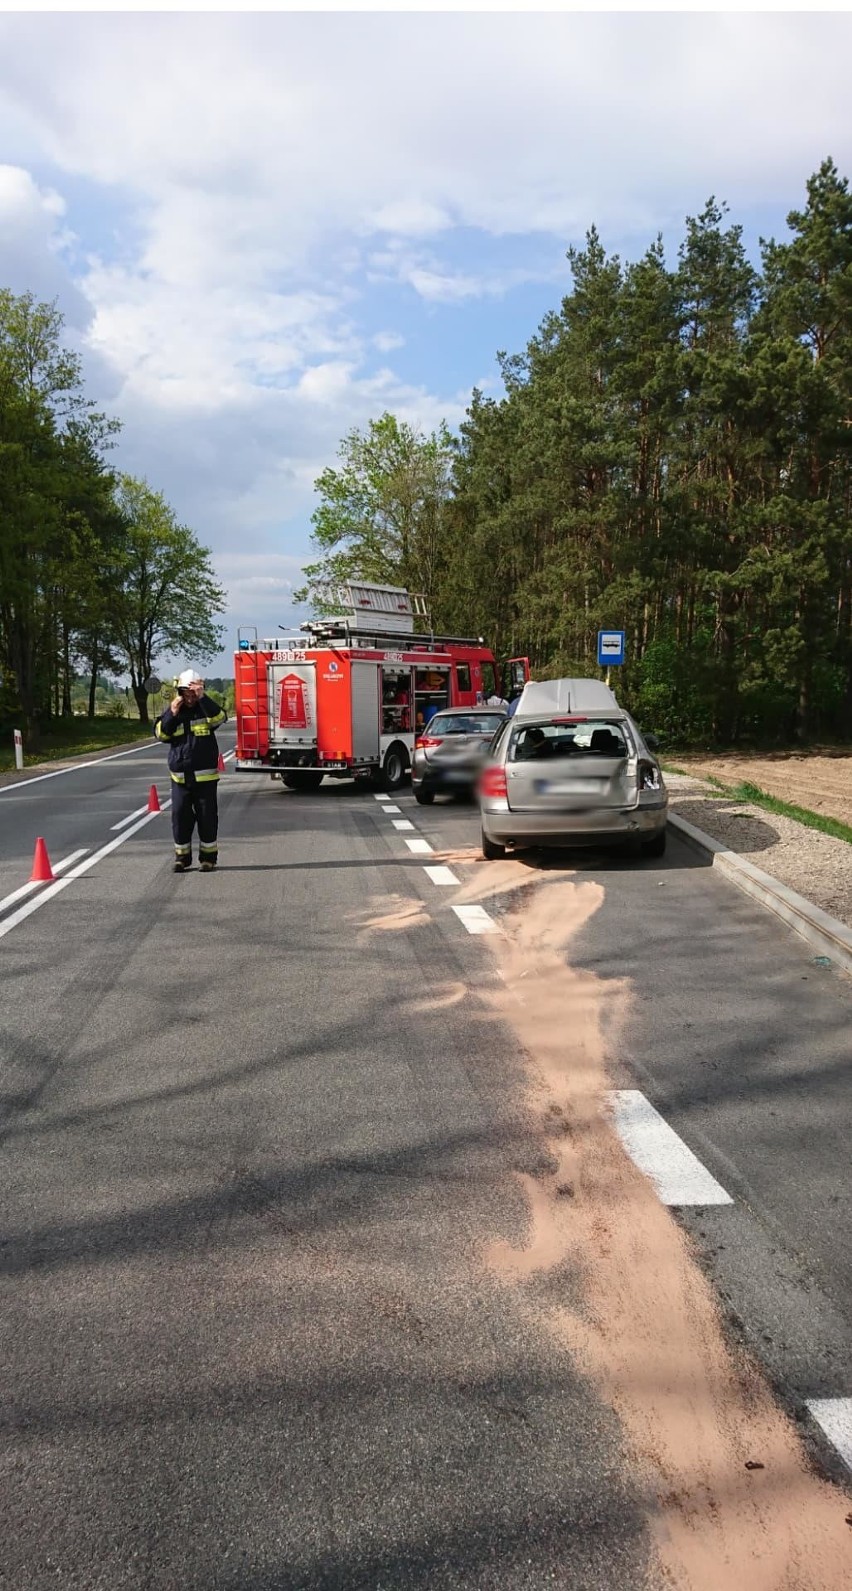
654,1146
834,1415
402,823
27,889
391,808
476,920
77,872
123,822
381,797
419,847
441,875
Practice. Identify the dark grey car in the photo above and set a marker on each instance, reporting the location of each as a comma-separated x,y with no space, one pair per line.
450,752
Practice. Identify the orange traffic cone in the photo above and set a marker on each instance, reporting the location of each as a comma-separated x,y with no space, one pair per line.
221,763
42,872
154,800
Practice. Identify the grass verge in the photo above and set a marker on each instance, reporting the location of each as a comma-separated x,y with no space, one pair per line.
77,737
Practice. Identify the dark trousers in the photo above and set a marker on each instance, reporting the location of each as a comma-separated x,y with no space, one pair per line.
195,803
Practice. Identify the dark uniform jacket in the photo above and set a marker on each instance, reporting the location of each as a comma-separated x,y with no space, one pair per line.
191,739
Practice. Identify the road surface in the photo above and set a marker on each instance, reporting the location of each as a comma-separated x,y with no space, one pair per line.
286,1300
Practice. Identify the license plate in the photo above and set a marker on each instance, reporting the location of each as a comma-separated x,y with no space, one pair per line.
578,787
327,764
457,777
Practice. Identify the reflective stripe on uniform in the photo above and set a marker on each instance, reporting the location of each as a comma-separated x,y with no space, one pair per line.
168,734
208,850
183,850
176,778
205,775
200,726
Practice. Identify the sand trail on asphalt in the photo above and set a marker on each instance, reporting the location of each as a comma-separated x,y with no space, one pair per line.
643,1322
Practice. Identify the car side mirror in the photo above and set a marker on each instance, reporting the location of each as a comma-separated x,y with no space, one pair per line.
652,743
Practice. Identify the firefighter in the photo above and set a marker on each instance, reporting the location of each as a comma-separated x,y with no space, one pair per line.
187,726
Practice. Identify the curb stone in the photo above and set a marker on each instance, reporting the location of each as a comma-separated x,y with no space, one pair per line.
825,933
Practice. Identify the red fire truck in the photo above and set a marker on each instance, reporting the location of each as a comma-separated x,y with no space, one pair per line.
348,695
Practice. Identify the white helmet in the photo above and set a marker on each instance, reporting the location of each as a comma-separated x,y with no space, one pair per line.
188,677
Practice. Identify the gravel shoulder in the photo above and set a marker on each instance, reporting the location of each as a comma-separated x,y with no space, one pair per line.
816,865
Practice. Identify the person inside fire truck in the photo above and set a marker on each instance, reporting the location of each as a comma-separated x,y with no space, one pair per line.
187,726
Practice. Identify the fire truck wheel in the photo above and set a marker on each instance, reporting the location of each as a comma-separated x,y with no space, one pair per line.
395,768
302,781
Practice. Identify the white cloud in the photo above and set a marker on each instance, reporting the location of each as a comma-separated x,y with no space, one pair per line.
270,167
387,341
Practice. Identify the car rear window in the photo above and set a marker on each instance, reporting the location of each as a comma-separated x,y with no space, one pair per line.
466,723
594,737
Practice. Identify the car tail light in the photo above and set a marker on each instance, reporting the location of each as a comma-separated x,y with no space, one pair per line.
423,742
649,776
493,783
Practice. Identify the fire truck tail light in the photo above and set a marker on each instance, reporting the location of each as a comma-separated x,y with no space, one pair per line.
493,783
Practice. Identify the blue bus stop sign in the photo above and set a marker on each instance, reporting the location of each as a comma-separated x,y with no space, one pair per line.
610,647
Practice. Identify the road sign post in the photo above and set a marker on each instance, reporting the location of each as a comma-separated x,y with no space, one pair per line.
19,749
610,649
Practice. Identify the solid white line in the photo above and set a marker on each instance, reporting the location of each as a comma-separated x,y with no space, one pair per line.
27,889
419,847
391,809
476,920
654,1146
835,1417
129,819
402,823
83,867
441,875
113,757
381,797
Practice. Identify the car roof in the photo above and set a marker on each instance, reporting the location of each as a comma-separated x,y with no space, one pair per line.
550,698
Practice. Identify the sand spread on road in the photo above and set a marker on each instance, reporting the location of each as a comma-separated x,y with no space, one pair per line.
647,1329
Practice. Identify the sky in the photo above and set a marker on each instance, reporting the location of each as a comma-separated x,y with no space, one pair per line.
266,229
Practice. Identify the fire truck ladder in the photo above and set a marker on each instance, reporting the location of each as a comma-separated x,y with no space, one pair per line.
248,691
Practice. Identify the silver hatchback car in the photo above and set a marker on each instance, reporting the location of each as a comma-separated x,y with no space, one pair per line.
450,751
572,768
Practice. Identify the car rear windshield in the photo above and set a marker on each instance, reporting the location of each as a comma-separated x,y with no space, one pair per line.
465,723
594,737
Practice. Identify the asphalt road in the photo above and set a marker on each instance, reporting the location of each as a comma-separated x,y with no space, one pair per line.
253,1141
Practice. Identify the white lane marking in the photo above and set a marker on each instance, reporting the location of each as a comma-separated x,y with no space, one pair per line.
27,889
390,808
113,757
402,823
381,797
419,847
129,819
229,754
654,1146
82,867
835,1417
441,875
476,920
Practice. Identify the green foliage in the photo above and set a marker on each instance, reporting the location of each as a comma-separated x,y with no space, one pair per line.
381,515
72,535
672,456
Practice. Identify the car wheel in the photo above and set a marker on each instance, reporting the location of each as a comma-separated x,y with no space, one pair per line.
657,846
491,850
394,768
423,797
